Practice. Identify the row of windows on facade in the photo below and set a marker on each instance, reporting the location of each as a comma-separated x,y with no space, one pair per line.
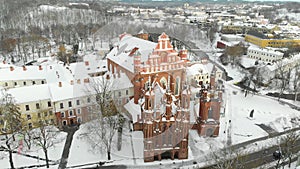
64,122
37,105
266,60
264,54
120,93
282,43
50,113
72,113
51,121
24,83
61,105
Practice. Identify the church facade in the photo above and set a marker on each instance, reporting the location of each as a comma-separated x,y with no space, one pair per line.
161,90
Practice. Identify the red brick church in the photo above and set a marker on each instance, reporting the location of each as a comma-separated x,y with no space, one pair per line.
158,73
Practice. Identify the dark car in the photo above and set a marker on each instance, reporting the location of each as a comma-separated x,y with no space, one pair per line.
277,155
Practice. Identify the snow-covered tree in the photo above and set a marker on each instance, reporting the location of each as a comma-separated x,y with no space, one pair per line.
10,119
44,136
107,118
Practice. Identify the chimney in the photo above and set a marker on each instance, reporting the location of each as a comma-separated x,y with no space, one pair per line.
107,77
72,82
78,81
11,68
59,84
204,94
220,95
138,117
24,68
87,80
40,67
204,61
86,63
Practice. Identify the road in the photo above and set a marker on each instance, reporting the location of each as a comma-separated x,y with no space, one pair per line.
259,158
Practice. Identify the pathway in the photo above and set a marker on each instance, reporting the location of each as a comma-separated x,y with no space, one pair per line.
65,155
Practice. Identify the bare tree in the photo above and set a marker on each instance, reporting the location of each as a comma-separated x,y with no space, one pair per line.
281,75
227,158
10,118
235,52
288,142
45,135
211,33
107,119
296,80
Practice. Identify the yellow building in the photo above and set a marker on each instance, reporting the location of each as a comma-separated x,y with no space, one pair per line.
34,108
263,41
14,76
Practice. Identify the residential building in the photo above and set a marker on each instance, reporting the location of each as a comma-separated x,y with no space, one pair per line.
267,55
199,74
263,41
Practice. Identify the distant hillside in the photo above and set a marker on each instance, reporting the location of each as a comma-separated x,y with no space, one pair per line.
182,0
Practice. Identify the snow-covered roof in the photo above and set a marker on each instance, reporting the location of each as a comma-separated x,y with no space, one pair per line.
25,94
4,65
133,109
57,73
68,91
115,82
122,82
197,68
120,53
18,73
52,8
78,70
95,63
266,50
231,43
295,59
248,62
232,37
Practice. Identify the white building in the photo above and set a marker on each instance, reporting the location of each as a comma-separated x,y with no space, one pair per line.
269,71
264,54
63,94
200,73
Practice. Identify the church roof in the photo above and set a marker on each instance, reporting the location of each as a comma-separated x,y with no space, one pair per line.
121,54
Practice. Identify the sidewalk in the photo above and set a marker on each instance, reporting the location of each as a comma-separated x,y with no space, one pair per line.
65,155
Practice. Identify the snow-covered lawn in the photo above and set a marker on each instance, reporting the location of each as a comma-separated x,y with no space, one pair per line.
242,128
20,160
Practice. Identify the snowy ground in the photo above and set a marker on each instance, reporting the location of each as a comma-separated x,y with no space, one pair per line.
20,160
266,111
241,128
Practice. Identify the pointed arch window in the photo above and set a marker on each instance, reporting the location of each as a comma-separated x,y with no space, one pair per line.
163,82
177,86
210,113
